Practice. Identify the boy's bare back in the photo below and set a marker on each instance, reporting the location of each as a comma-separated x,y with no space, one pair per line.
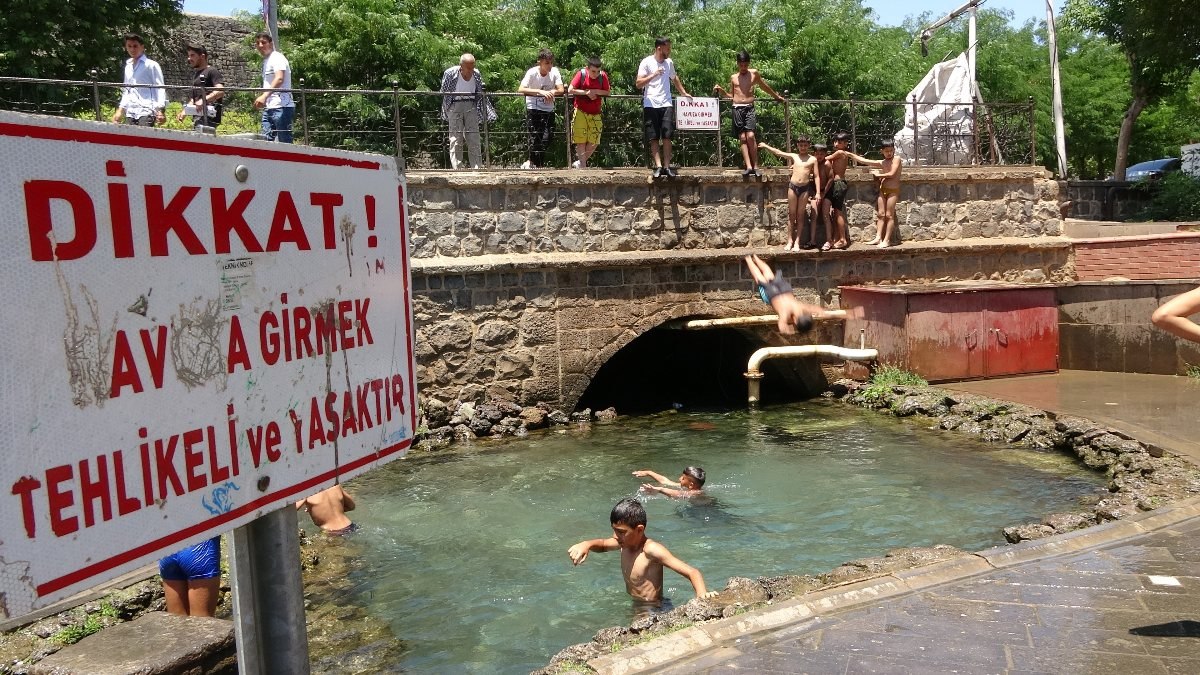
328,508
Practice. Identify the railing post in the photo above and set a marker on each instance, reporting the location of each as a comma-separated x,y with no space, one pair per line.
787,120
396,124
96,92
916,127
567,100
487,145
720,152
977,156
1032,132
853,126
304,111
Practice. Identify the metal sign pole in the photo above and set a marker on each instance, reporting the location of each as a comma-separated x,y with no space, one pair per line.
268,595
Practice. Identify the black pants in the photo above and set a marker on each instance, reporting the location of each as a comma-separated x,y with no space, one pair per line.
540,126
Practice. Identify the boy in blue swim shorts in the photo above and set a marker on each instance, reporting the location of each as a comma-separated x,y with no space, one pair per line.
794,316
192,579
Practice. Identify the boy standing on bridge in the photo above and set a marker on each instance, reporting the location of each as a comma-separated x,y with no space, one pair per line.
655,75
642,558
888,181
741,90
836,194
588,87
802,192
540,85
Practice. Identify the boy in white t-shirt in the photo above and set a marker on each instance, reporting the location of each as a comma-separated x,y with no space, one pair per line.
279,110
541,84
654,77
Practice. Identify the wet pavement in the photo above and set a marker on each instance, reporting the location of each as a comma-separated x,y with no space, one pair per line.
1128,607
1158,409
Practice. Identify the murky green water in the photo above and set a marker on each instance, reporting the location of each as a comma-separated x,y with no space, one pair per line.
465,555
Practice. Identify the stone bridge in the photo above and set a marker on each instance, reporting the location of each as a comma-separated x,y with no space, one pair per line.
527,284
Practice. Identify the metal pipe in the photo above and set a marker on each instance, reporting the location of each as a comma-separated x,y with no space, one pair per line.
698,324
754,375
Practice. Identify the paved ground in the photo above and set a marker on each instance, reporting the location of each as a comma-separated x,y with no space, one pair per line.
1158,409
1128,609
1122,598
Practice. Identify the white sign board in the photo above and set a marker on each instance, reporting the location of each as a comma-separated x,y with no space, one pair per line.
199,331
698,114
1190,154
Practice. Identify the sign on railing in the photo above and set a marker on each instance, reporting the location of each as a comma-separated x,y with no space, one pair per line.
200,331
698,114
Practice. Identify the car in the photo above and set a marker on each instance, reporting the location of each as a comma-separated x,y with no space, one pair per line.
1155,168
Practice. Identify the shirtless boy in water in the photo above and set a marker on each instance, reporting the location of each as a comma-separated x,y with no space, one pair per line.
690,484
642,558
887,179
328,509
741,90
836,194
803,188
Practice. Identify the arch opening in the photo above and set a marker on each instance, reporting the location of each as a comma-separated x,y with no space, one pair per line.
695,369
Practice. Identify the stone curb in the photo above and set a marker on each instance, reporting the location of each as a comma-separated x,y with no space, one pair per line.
698,641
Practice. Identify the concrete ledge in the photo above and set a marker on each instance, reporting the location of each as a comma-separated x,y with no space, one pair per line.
1137,238
1101,229
643,657
153,644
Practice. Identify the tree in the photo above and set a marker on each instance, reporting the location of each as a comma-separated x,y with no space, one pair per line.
1161,42
56,39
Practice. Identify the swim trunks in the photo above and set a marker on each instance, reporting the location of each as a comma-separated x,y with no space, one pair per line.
888,192
202,561
744,118
659,123
349,529
774,287
837,194
802,190
586,128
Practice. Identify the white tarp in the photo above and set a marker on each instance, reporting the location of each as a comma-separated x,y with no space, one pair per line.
200,331
1191,159
944,117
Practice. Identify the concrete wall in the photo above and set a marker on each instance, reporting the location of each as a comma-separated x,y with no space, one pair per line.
227,40
1105,199
1106,326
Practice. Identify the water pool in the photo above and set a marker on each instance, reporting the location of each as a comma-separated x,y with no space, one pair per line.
463,554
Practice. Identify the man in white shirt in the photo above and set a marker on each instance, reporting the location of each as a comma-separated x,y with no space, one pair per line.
654,77
141,105
279,110
540,85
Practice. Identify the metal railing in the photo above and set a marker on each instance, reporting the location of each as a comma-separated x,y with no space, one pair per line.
408,125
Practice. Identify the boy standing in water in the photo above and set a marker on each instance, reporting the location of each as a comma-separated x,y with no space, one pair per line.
691,483
642,558
887,179
328,510
741,90
801,192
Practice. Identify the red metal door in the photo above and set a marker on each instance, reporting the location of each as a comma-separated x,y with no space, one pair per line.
945,338
1021,332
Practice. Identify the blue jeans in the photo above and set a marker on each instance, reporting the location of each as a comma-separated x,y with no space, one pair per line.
277,124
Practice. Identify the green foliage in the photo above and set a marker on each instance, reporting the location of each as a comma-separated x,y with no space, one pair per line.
1176,196
76,632
1192,371
48,39
232,121
888,375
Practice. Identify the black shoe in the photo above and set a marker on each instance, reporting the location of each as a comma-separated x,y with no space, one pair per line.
658,172
672,173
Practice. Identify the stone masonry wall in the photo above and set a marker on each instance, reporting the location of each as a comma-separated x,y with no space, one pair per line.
227,40
471,214
537,328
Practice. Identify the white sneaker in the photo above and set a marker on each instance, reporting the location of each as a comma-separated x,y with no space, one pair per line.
526,165
575,164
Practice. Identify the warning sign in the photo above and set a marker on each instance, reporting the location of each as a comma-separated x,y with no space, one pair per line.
199,331
698,114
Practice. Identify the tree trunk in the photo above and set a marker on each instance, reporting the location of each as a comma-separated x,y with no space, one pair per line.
1126,135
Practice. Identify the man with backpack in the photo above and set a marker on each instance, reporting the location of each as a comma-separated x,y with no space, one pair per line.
588,87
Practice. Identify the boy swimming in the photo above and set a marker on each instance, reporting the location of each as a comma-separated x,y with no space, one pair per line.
642,558
691,482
